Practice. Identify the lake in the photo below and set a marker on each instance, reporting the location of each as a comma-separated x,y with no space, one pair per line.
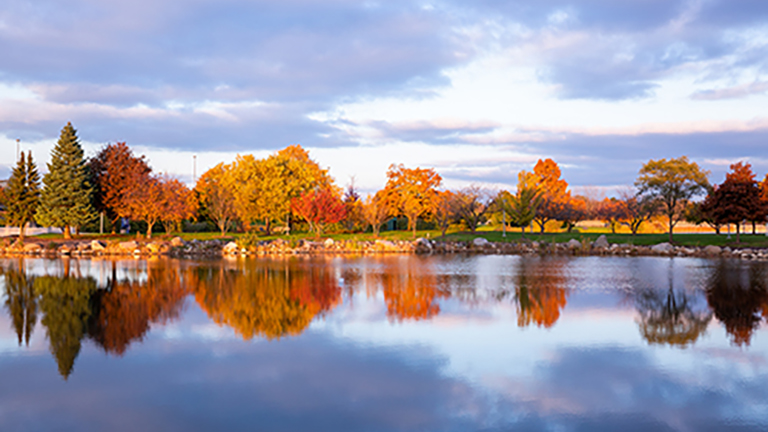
384,343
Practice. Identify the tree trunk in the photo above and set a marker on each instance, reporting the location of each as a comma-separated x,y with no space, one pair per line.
754,229
149,229
21,233
67,234
671,226
738,232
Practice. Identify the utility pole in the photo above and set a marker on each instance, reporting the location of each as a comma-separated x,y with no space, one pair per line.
194,169
18,148
503,223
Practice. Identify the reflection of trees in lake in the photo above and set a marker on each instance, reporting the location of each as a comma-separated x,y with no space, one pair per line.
66,308
540,292
21,301
668,315
737,292
410,288
270,298
123,312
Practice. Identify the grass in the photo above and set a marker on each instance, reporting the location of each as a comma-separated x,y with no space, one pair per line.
683,239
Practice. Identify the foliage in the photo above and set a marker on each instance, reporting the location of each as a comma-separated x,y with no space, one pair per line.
215,197
354,220
736,199
553,190
523,206
375,211
115,173
637,210
178,204
673,182
147,202
22,194
318,208
444,210
66,197
411,192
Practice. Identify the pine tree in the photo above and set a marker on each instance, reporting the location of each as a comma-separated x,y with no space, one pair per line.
23,193
66,198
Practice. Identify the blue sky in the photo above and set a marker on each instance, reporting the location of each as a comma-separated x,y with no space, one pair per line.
478,90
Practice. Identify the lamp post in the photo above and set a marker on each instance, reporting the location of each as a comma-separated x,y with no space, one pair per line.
194,169
18,148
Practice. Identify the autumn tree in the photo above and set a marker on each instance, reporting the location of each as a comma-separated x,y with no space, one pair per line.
611,211
672,182
573,212
637,210
115,172
264,188
147,202
375,211
470,205
318,208
178,203
736,199
216,198
524,204
553,192
444,210
411,192
66,197
354,220
22,194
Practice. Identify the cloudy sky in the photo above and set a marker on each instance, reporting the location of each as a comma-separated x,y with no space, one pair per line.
478,90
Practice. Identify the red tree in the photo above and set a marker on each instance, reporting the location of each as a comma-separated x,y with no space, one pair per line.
318,208
736,199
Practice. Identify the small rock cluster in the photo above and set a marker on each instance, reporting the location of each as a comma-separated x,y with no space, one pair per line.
197,248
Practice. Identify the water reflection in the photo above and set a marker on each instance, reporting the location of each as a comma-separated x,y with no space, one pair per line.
266,298
738,295
670,315
21,301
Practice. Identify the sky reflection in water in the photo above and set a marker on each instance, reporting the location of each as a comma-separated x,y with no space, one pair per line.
384,343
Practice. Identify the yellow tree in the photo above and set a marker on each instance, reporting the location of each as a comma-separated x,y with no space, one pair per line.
375,211
147,202
178,203
553,190
412,191
672,182
216,199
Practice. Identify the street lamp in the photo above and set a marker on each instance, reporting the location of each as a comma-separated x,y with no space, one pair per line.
17,148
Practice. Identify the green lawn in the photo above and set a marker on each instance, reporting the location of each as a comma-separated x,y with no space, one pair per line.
747,240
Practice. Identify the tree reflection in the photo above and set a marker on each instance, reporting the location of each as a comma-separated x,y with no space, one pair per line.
540,292
269,298
738,295
410,289
668,316
66,308
123,312
21,301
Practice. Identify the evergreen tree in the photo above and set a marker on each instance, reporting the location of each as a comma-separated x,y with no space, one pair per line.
23,193
66,198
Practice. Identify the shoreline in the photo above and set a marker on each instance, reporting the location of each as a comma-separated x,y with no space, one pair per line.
179,248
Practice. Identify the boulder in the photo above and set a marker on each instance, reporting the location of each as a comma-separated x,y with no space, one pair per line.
154,247
97,246
230,248
573,244
423,243
32,248
328,242
64,250
662,248
480,242
177,242
386,245
712,250
601,242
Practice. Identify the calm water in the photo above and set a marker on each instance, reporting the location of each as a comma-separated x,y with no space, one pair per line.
400,343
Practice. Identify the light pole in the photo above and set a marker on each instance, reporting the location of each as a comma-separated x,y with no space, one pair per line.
194,168
18,148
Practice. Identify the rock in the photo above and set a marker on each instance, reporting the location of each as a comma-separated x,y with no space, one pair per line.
601,242
128,246
230,248
422,242
154,247
712,250
328,242
64,250
480,242
662,248
177,242
727,249
97,246
32,248
573,244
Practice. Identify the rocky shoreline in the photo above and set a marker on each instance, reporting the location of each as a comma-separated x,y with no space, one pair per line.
217,248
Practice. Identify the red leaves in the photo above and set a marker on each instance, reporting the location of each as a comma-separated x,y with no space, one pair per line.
319,207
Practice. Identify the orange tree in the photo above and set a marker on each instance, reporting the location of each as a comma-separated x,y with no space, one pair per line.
673,183
318,208
147,202
215,197
375,211
412,191
179,204
553,190
115,173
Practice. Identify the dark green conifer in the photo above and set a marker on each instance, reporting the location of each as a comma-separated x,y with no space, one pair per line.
66,198
22,194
